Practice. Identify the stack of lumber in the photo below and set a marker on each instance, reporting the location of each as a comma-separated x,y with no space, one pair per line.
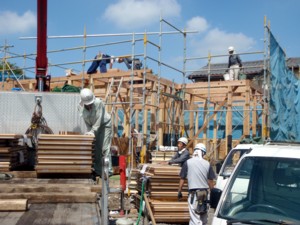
12,155
26,199
50,190
134,174
162,189
161,156
65,154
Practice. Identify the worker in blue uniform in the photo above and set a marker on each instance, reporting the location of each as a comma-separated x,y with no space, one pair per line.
100,60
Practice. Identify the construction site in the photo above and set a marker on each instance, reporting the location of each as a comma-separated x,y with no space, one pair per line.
48,181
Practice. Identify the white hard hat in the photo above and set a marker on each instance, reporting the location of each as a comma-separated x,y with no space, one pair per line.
230,48
184,140
201,147
87,97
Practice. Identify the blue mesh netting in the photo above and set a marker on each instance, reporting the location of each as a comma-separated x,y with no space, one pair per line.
284,97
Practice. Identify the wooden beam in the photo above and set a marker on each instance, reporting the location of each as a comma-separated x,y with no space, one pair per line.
247,113
204,125
34,197
254,116
149,210
228,132
13,205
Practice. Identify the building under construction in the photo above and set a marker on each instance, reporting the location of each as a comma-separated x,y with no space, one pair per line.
211,110
202,111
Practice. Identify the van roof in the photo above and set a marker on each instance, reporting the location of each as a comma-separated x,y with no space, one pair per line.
273,150
247,146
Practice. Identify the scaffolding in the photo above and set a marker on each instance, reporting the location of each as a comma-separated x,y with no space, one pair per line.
155,105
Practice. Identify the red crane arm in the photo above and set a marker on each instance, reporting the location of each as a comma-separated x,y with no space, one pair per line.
41,59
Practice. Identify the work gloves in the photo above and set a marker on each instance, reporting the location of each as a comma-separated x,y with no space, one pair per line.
90,133
179,195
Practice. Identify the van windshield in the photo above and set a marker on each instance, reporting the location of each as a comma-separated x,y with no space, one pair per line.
263,188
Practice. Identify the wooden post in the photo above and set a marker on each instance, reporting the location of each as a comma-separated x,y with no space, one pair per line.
149,209
144,147
215,137
205,120
247,113
254,115
228,139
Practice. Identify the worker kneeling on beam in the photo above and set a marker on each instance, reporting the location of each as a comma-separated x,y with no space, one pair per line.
200,176
98,123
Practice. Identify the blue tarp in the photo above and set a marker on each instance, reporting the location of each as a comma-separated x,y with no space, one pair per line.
237,123
6,75
284,97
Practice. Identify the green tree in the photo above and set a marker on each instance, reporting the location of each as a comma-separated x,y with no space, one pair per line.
9,67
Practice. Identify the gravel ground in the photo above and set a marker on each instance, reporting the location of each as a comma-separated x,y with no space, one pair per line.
129,208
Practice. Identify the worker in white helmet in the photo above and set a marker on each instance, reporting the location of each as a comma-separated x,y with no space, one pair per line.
200,176
182,154
98,123
234,64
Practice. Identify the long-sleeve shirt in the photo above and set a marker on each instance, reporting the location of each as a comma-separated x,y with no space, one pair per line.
97,117
180,157
234,59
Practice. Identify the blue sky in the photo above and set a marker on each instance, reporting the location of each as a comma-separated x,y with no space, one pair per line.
219,24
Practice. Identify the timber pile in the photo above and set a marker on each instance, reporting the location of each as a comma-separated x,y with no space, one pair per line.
162,188
26,199
64,154
12,155
48,190
161,156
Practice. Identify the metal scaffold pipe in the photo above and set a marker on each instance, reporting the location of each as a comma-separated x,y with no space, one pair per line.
111,35
224,55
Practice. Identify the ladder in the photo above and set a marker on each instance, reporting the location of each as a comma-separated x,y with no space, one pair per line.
112,96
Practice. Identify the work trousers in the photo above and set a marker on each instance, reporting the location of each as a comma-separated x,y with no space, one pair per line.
195,219
102,148
234,71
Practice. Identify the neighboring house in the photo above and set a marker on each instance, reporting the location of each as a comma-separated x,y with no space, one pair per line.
251,69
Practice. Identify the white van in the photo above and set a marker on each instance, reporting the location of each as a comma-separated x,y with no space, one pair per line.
264,188
230,162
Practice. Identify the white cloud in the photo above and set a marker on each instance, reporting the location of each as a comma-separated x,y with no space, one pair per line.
132,14
11,22
216,42
197,23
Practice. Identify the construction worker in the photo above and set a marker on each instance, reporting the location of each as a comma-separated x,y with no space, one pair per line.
129,62
234,64
182,154
200,176
101,60
98,123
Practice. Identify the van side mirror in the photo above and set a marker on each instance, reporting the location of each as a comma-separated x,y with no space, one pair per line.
215,195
